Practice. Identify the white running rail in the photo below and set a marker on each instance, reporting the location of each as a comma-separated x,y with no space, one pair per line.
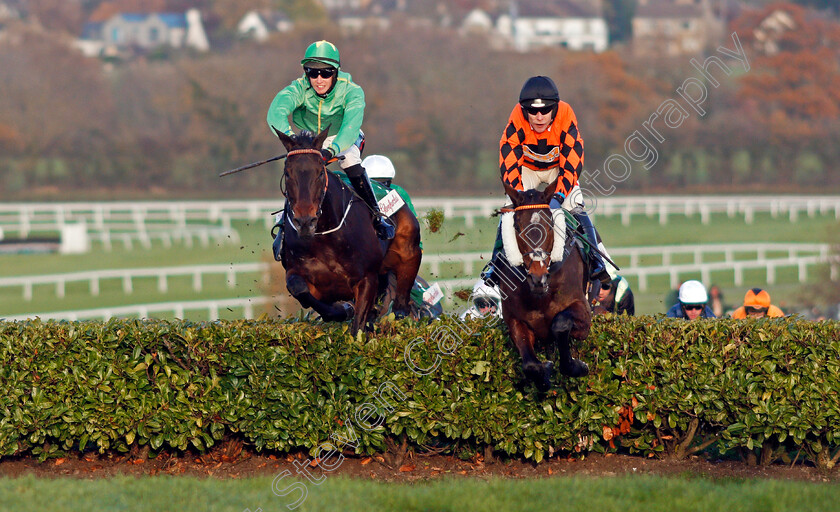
25,218
128,275
177,309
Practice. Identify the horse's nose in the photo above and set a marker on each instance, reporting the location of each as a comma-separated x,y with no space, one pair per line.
539,284
305,225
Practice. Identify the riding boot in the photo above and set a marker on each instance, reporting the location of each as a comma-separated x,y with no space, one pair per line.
599,270
384,226
278,236
489,274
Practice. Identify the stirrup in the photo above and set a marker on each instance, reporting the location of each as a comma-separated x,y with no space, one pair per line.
385,228
599,272
489,275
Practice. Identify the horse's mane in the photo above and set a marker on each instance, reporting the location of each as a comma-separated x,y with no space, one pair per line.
304,139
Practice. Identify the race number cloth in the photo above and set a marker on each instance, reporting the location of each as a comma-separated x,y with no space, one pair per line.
380,191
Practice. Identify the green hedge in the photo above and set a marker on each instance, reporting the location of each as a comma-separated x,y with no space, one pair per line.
766,389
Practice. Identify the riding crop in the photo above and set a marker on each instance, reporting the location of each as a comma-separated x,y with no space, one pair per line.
250,166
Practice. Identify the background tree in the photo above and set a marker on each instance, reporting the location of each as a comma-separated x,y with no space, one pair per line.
619,16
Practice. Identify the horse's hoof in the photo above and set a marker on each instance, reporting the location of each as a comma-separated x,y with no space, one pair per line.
544,384
297,287
400,314
576,368
349,310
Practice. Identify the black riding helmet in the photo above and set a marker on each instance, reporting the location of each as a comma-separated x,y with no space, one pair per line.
539,91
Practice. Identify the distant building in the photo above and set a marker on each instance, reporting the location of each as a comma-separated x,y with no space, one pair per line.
769,32
364,15
572,24
520,24
130,31
343,4
674,27
260,24
9,11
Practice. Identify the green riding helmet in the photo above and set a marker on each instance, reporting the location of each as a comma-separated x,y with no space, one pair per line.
322,51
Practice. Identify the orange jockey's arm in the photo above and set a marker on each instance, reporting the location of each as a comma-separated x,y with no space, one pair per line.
565,126
510,150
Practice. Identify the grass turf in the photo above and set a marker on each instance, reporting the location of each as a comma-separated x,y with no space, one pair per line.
640,493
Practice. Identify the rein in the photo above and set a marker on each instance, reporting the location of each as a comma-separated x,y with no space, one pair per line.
346,211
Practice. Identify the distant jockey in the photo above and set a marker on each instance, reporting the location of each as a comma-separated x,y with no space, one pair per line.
486,300
692,302
757,305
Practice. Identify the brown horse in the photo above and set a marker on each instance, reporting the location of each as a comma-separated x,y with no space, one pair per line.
334,261
543,285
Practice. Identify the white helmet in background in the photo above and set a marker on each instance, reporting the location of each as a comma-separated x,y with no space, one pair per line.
693,292
484,296
379,167
482,290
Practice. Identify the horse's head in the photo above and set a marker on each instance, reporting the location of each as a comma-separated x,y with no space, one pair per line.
533,224
305,174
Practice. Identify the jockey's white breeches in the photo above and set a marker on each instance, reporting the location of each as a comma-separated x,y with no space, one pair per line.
352,155
533,179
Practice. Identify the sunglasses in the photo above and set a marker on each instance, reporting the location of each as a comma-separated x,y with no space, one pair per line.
539,110
693,307
750,309
315,73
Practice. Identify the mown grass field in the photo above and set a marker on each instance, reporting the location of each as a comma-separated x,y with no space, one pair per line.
255,245
585,494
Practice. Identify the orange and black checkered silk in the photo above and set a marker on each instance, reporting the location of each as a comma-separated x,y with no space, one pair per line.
560,145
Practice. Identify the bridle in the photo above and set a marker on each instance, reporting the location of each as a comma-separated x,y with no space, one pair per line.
537,254
323,170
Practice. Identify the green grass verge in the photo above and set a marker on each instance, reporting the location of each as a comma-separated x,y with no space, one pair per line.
585,494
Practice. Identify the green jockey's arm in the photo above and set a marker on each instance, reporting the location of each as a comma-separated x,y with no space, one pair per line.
342,109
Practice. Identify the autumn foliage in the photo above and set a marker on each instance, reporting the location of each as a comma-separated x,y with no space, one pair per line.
167,123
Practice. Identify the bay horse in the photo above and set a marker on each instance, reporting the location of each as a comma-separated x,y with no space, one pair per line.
335,263
542,280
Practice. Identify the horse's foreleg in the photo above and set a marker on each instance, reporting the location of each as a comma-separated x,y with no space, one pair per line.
561,327
299,289
365,295
535,371
406,275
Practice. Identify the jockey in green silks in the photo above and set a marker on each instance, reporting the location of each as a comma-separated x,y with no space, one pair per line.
324,96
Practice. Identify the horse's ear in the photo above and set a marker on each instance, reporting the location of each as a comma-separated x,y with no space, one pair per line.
319,139
550,190
287,141
513,194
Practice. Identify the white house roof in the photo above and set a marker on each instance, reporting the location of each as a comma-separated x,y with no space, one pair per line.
665,9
